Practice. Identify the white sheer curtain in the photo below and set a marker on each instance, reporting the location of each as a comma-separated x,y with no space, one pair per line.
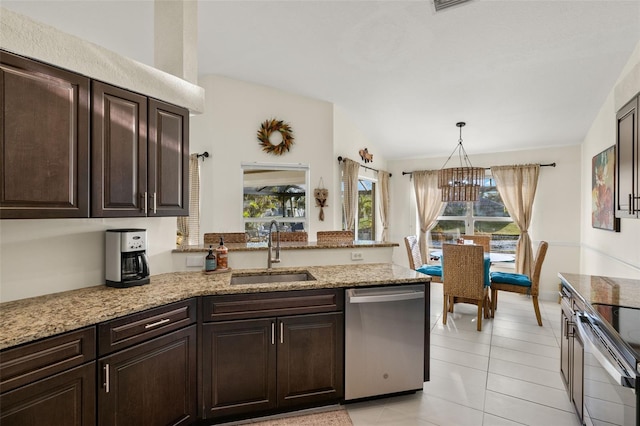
350,170
517,187
189,226
429,204
383,181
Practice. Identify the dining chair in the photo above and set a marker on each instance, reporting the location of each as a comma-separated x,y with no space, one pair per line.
415,260
481,240
463,274
520,283
335,236
229,237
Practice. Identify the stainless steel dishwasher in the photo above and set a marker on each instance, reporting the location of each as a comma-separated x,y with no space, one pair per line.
384,340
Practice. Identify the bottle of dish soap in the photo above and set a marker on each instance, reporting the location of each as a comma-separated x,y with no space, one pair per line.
210,263
222,252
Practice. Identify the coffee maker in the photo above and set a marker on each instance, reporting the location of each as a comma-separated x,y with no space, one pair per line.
126,262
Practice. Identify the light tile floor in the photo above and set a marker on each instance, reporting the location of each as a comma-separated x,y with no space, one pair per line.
507,374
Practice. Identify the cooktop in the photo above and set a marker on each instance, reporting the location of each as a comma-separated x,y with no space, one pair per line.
624,320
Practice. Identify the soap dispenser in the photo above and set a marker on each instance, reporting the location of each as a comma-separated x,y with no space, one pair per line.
210,263
222,253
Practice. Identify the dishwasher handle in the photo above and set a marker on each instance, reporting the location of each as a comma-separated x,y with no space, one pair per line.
378,296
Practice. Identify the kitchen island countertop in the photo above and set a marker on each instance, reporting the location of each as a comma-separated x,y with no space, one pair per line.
604,290
34,318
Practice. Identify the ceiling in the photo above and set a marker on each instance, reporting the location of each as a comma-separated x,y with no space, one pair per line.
521,73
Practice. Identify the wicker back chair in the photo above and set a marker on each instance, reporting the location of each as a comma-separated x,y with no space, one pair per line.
229,237
415,257
481,240
335,236
463,277
520,283
301,237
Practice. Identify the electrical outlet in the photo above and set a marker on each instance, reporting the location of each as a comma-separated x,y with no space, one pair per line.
195,261
356,255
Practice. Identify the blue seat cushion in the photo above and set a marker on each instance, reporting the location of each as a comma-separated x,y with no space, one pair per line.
435,270
510,278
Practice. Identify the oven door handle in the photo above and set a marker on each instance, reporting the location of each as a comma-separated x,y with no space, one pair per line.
602,353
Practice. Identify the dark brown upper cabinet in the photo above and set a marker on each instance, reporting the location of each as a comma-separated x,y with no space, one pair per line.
139,155
44,140
628,161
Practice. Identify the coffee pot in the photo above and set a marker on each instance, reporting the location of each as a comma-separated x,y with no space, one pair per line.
126,262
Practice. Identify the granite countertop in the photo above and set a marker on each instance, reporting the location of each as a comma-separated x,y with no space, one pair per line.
30,319
287,245
604,290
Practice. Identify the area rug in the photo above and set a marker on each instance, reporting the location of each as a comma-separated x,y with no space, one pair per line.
338,417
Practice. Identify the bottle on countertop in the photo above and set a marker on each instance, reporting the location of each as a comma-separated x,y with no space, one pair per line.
210,263
222,252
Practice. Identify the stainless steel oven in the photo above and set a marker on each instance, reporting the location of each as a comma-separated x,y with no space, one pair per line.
610,369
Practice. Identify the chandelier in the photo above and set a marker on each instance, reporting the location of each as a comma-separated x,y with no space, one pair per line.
460,183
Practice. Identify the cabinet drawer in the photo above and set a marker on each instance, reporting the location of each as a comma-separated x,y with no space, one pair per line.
34,361
135,328
258,305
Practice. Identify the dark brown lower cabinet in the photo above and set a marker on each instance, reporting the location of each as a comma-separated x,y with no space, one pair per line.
310,359
280,362
239,372
64,399
152,383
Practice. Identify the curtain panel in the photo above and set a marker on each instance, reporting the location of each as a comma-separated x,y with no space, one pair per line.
517,186
350,170
189,226
429,204
383,181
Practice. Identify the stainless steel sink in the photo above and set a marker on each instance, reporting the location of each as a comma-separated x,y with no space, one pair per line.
271,277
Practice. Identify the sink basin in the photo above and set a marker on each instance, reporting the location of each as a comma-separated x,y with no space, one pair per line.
271,277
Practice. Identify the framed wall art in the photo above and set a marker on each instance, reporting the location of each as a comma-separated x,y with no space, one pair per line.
603,191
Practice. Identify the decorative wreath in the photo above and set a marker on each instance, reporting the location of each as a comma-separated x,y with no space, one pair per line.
273,125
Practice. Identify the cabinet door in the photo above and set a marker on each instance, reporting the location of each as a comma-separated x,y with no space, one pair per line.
44,140
65,399
118,152
577,373
153,383
168,176
627,191
310,359
564,349
239,361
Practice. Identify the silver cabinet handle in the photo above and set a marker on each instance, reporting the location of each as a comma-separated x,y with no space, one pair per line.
273,333
155,203
157,323
146,201
106,378
281,332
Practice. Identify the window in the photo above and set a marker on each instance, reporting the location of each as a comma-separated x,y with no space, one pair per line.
365,226
488,215
274,192
366,223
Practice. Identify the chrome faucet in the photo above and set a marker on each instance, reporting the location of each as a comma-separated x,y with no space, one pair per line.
271,259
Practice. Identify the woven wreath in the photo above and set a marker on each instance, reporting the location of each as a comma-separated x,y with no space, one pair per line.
273,125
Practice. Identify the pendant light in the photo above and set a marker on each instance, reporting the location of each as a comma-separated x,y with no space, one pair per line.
460,183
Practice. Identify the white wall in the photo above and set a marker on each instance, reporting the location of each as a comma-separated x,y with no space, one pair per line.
233,113
556,210
604,252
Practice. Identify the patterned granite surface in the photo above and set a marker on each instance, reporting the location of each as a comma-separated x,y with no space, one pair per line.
604,290
34,318
287,245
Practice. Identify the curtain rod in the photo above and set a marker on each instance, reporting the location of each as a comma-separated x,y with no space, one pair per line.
489,168
203,155
362,165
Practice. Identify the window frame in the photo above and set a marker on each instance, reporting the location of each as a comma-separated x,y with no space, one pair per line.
280,219
469,219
